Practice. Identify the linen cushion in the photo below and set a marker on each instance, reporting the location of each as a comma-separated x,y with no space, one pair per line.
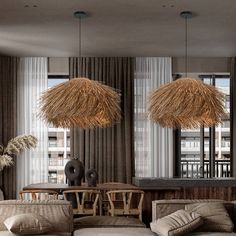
215,217
114,232
27,224
177,223
7,233
210,234
106,221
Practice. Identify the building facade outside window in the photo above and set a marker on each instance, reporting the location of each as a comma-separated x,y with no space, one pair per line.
205,152
58,143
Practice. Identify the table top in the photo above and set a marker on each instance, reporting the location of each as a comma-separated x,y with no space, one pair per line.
63,187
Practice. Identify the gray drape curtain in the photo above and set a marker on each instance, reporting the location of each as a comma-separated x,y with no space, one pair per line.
8,82
108,150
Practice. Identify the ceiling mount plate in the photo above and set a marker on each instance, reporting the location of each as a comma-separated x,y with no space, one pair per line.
186,14
80,14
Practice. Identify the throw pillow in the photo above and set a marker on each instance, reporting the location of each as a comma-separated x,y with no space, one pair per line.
215,217
177,223
27,224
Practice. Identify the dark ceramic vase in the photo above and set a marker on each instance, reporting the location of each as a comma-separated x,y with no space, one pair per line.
92,177
74,171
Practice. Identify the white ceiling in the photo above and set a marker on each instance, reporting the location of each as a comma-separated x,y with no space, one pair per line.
117,27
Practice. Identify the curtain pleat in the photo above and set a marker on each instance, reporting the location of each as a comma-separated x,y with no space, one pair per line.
8,83
32,165
108,150
153,144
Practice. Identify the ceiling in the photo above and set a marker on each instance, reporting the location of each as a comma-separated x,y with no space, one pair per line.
117,28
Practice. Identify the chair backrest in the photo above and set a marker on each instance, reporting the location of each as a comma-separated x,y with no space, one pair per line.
84,202
130,205
38,194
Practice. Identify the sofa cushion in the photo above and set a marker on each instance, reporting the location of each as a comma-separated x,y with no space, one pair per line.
114,232
210,234
177,223
28,224
215,217
7,233
106,221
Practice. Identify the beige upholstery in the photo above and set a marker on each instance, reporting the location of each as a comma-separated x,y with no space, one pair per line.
177,223
39,194
114,232
6,233
28,224
57,212
107,222
126,207
161,208
210,234
86,201
214,215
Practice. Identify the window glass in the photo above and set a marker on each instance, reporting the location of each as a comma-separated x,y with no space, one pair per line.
193,164
58,146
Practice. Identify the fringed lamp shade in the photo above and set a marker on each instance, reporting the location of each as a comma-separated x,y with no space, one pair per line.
186,103
80,102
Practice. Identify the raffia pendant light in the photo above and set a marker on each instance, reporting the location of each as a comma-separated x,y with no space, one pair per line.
186,102
80,102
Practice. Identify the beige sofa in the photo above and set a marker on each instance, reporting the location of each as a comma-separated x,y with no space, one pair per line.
161,208
57,212
60,215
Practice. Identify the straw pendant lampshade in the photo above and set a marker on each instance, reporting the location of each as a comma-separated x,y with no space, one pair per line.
186,102
80,102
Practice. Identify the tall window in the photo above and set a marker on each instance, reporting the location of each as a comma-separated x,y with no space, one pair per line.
205,152
153,144
58,143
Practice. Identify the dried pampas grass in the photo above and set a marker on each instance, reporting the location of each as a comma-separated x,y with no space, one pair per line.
186,103
15,146
5,160
80,102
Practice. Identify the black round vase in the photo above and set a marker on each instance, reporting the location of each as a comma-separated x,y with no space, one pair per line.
92,177
74,171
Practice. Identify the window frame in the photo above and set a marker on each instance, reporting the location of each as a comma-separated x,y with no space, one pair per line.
177,136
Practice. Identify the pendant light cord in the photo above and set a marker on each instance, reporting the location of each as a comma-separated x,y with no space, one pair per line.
186,47
80,39
186,15
80,61
80,15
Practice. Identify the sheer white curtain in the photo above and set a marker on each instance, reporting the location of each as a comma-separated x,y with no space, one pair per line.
32,166
153,144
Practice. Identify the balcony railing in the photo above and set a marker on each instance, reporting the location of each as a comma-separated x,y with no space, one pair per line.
192,168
